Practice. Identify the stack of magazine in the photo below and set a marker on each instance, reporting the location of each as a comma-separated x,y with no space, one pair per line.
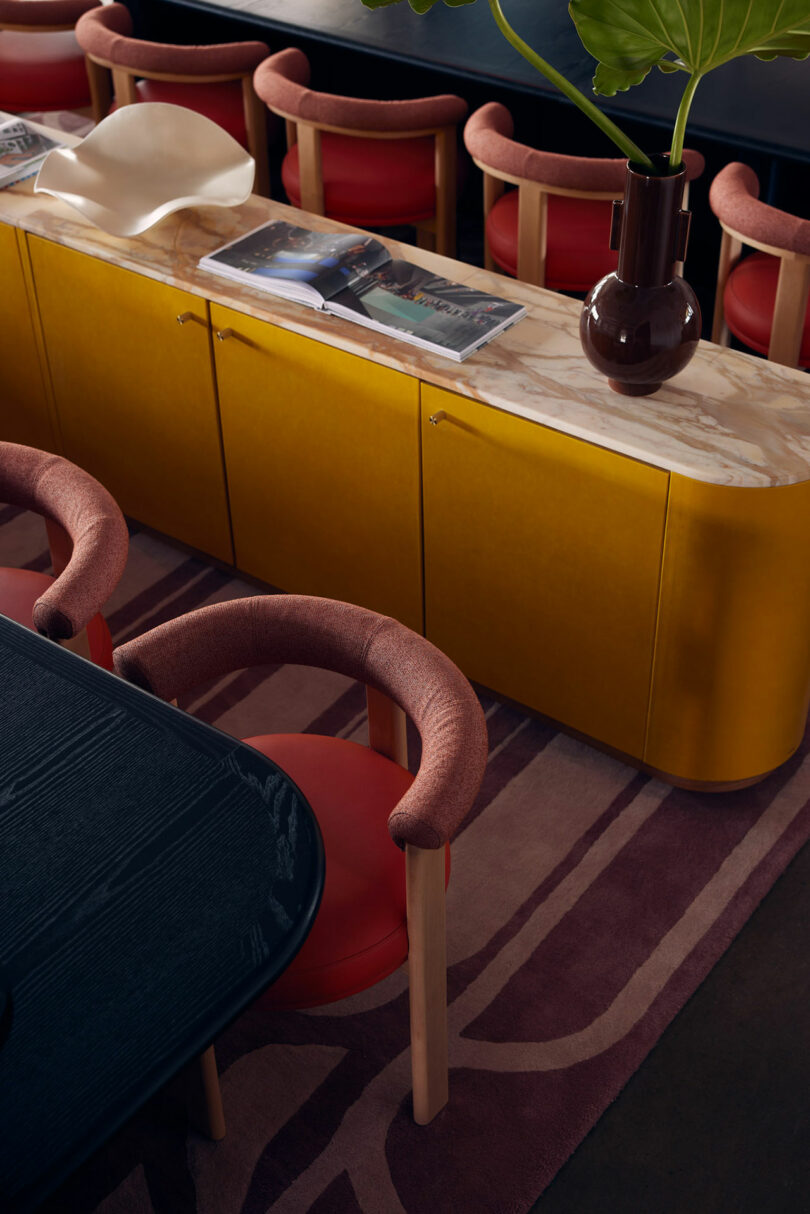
22,151
354,276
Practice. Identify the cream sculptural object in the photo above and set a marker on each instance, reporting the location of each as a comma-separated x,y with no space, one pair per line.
145,161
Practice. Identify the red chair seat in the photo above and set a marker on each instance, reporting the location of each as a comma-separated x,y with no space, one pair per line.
20,589
360,934
578,233
371,182
749,299
222,102
42,71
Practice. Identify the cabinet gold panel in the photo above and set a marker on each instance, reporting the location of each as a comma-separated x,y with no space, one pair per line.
542,560
322,450
134,392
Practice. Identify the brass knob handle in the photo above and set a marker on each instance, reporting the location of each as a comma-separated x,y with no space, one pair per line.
435,418
184,316
224,334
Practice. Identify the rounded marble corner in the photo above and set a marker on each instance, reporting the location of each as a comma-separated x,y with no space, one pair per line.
145,161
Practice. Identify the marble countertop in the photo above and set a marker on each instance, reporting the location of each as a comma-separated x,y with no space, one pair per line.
728,418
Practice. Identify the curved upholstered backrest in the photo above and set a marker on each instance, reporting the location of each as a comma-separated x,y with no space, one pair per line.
734,198
54,487
362,644
282,82
488,138
105,33
51,14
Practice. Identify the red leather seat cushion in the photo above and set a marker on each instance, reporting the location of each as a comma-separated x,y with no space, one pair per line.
222,103
577,249
748,301
359,935
42,72
20,589
371,182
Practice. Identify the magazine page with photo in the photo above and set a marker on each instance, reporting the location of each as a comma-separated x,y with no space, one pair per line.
22,150
425,309
306,266
352,275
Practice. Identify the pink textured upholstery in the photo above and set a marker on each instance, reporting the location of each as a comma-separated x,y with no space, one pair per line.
94,526
734,198
488,138
106,33
43,12
383,653
282,82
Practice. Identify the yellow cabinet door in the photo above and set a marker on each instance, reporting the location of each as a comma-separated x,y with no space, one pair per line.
134,392
322,451
25,414
542,559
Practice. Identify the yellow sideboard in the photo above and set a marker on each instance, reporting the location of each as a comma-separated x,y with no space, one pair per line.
634,569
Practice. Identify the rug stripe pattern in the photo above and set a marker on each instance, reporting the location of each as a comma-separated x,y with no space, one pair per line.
586,904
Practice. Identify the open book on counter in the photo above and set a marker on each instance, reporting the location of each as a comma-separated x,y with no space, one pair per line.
22,150
354,276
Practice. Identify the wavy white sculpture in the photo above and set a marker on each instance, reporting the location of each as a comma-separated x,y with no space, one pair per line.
144,161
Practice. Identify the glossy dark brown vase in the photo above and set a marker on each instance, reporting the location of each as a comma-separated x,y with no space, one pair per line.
641,324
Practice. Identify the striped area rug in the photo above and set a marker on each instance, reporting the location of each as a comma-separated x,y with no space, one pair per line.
587,902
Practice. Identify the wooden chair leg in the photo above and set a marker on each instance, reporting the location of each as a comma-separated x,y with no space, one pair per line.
427,976
204,1098
446,172
387,727
125,86
532,234
789,311
310,170
256,126
730,249
493,189
100,83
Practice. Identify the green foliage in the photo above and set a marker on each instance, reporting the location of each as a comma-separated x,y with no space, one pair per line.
629,37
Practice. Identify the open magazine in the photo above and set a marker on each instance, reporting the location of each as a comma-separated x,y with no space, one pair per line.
22,150
354,276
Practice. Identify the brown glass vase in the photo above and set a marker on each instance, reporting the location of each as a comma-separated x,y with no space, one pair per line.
641,324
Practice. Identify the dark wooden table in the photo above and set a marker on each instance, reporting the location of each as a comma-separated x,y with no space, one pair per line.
155,876
748,104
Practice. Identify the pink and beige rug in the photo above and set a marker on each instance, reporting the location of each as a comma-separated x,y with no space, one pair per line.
587,902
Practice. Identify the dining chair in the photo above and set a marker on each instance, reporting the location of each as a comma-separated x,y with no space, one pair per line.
216,81
88,540
761,298
41,63
371,164
553,229
384,899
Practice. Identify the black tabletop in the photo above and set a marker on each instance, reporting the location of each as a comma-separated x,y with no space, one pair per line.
747,103
155,876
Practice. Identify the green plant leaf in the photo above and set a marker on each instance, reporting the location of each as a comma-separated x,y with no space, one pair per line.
629,37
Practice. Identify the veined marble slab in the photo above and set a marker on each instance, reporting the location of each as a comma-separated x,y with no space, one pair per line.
728,418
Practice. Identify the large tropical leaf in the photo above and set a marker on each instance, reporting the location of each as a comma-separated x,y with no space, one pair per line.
628,37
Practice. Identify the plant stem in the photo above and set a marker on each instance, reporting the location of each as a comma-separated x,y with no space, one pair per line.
676,151
622,141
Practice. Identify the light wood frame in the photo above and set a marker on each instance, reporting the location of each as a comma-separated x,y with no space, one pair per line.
427,959
790,305
108,79
438,233
532,252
